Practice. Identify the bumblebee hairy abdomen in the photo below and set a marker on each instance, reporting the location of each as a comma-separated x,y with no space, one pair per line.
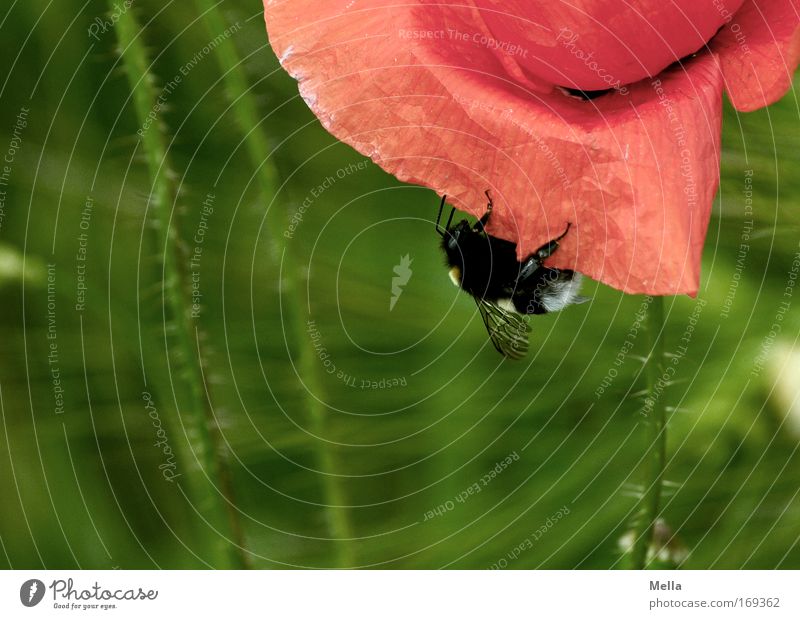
555,290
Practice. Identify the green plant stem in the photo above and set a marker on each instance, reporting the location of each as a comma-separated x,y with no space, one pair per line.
248,119
337,518
656,456
208,486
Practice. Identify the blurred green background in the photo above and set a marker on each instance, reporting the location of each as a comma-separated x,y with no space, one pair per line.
328,469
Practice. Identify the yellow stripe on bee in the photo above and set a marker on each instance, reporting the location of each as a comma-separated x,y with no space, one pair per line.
455,276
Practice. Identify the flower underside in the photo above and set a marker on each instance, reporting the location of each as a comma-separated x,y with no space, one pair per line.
600,113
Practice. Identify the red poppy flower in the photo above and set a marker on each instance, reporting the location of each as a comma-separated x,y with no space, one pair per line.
482,94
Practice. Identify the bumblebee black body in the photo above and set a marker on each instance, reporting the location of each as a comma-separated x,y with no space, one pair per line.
486,267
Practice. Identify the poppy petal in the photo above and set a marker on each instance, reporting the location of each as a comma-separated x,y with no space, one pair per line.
759,51
634,173
594,44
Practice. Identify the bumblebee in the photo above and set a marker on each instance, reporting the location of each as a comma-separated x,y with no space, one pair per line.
505,289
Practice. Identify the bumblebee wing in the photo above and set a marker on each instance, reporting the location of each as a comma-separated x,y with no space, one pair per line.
508,331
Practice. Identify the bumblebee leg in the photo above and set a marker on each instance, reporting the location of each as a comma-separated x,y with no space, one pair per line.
548,249
529,266
439,230
563,234
481,223
450,219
